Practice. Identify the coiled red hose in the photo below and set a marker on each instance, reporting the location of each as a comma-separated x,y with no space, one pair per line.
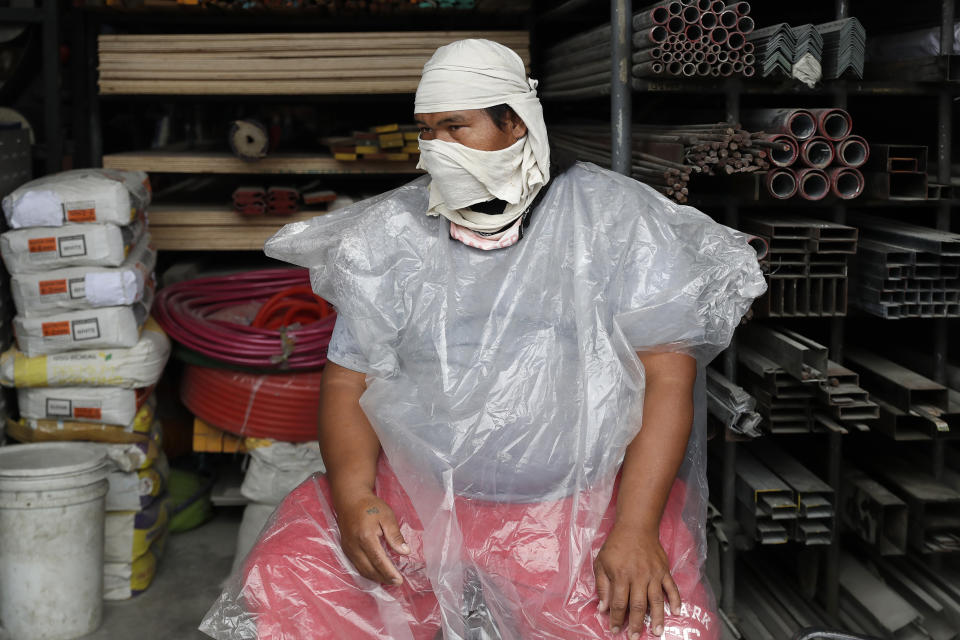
281,406
291,330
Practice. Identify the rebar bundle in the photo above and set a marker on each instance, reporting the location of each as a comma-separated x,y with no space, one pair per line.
823,158
666,156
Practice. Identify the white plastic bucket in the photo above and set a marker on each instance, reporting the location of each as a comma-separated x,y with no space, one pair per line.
51,539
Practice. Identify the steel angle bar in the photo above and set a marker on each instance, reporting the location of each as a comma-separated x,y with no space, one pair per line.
873,512
874,599
799,356
908,235
903,388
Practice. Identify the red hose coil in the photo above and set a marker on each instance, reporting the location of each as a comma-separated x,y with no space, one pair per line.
291,330
281,406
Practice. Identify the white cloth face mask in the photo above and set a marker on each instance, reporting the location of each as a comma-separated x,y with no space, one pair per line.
463,176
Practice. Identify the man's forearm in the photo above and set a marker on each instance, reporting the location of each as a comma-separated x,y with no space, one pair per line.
348,443
654,456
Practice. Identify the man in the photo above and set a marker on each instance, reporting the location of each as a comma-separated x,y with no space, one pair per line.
501,334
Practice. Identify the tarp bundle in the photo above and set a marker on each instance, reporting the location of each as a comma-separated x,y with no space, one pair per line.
500,378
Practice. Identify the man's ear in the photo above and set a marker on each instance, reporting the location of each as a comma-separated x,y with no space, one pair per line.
517,127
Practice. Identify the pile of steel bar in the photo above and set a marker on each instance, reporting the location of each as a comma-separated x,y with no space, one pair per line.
872,512
731,405
911,405
844,48
687,38
904,270
666,156
810,52
823,156
797,388
897,172
805,265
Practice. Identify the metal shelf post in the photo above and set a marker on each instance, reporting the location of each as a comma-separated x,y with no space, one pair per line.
621,98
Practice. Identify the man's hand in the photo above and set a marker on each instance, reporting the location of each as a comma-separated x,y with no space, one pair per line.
632,575
364,519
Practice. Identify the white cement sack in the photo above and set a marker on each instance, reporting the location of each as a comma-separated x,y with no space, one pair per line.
255,516
132,490
40,249
103,405
130,368
104,328
277,468
86,287
79,196
128,534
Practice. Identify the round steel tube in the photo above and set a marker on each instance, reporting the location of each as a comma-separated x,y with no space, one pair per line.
693,33
710,58
703,69
784,152
741,8
689,69
674,68
688,46
666,57
749,48
675,8
691,15
723,56
718,6
738,67
658,34
736,40
833,124
675,24
760,245
727,19
687,56
748,71
749,59
846,183
817,152
813,184
745,25
733,56
705,39
715,48
715,72
719,35
704,5
699,56
853,151
781,184
657,68
708,20
726,69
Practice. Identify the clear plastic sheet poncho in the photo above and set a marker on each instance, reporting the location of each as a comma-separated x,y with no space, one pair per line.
505,377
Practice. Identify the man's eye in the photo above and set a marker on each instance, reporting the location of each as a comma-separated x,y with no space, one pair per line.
455,127
424,130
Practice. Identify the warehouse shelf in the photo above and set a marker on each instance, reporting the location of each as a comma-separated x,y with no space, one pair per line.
214,228
226,163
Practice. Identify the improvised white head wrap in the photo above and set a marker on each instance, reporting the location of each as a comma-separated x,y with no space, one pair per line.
475,74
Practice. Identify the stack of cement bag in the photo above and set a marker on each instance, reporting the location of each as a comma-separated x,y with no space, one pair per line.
87,355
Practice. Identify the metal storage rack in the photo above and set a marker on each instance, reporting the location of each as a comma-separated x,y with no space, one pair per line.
621,95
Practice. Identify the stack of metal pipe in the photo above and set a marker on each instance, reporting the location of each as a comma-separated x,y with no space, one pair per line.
665,156
693,38
823,156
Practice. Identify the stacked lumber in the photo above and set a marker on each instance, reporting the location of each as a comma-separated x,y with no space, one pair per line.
288,63
389,142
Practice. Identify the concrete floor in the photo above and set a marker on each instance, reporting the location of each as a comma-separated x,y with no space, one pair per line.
188,580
